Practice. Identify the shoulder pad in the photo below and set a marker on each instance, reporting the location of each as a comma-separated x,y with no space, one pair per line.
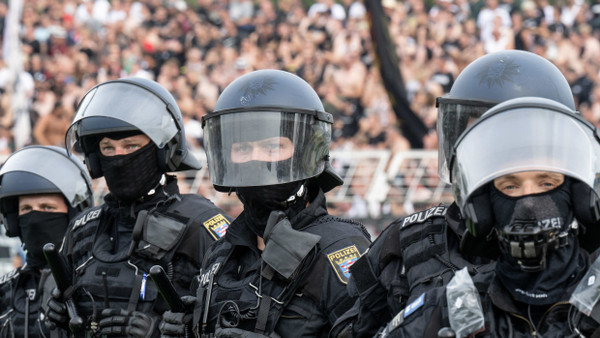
10,275
87,216
422,216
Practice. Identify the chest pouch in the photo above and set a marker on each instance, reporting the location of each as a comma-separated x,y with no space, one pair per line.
155,235
285,248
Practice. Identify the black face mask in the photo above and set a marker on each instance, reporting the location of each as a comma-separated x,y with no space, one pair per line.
260,201
539,274
131,176
39,228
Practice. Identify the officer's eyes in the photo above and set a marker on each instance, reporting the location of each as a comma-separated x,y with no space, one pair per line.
25,209
241,148
105,149
48,207
508,187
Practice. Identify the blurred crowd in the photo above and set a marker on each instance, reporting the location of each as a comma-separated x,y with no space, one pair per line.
195,48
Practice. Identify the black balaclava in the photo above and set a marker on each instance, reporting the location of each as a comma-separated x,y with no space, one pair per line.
260,201
559,266
131,176
38,228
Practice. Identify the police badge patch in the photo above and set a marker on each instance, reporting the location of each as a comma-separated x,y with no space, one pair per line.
217,226
341,261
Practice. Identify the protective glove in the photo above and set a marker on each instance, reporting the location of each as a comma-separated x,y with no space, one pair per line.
120,322
56,313
178,324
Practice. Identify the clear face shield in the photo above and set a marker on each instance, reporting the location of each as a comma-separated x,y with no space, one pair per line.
259,148
526,139
454,116
131,104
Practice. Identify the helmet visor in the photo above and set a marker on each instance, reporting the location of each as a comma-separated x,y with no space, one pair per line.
526,139
52,166
454,116
260,148
127,103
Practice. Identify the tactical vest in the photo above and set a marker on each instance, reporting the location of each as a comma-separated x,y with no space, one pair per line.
255,302
120,280
419,253
21,305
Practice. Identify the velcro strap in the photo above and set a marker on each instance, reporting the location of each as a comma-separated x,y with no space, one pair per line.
263,313
363,275
135,293
425,255
340,308
433,228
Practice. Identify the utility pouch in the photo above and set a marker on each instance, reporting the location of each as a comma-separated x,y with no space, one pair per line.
587,293
159,234
285,247
464,307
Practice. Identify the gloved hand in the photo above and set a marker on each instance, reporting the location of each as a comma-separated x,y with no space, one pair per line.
178,324
56,313
120,322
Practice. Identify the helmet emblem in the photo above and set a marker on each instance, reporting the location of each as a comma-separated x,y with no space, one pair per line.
498,71
256,87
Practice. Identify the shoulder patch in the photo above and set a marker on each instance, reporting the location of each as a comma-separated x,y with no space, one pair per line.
82,220
342,260
217,226
422,216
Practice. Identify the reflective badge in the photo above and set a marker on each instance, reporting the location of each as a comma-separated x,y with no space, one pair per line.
342,260
217,226
417,303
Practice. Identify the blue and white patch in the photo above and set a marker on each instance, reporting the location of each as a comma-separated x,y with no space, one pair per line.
420,217
412,307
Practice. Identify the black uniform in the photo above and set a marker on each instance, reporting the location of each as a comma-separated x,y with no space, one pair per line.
503,315
414,254
21,298
248,294
111,269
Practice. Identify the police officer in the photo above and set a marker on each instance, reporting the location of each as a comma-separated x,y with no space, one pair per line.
282,269
422,251
41,189
131,133
526,182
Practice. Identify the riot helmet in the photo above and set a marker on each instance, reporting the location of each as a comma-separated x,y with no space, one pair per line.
132,105
276,113
528,134
487,81
37,170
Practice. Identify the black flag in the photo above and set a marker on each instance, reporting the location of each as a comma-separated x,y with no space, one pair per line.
413,128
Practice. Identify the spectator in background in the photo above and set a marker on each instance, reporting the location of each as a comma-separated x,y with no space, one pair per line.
50,129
